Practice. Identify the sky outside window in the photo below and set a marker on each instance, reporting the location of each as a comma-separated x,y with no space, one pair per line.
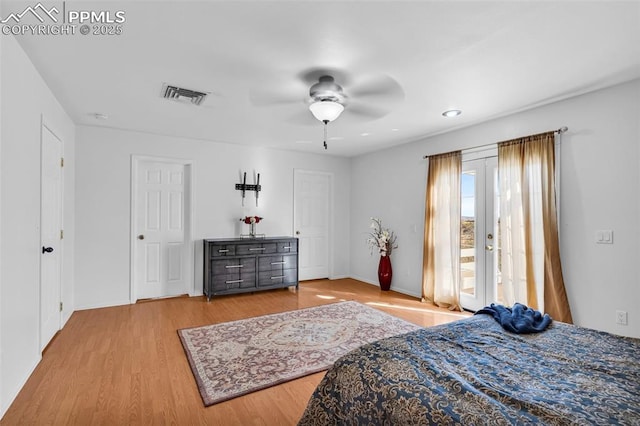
468,188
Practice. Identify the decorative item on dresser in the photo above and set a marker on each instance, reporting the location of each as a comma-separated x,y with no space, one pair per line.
243,265
252,221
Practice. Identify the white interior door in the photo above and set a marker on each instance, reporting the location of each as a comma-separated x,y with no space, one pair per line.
480,240
161,253
312,206
50,236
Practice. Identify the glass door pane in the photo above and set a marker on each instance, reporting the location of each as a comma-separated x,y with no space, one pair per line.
468,233
479,241
493,277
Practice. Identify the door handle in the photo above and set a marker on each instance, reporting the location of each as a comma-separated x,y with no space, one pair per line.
47,250
488,248
141,237
297,232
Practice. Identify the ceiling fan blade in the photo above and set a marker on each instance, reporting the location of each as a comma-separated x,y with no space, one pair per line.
376,88
366,110
303,118
269,93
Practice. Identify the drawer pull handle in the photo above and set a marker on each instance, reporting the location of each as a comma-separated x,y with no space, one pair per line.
234,266
278,277
257,249
233,281
223,251
278,263
286,247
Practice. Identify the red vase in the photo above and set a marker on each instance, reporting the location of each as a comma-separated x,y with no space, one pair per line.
385,273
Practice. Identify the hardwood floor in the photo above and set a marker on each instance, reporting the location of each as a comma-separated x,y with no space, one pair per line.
125,365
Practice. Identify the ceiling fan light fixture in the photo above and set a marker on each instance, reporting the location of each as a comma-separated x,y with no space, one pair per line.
326,111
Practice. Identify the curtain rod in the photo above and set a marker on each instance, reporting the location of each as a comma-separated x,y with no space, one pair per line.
558,131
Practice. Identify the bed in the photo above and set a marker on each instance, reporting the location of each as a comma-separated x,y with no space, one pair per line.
473,372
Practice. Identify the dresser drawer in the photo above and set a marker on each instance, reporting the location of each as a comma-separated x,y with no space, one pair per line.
231,281
277,263
222,250
255,249
278,278
287,246
224,282
233,265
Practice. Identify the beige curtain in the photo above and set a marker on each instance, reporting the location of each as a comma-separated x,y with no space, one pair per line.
441,264
530,256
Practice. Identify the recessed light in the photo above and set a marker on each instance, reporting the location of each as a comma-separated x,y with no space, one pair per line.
394,130
452,113
364,134
336,138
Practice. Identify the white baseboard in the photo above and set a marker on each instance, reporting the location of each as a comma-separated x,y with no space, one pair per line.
407,292
65,317
394,288
121,303
14,392
102,305
338,277
365,280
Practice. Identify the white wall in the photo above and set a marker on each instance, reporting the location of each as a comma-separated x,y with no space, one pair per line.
103,201
26,101
600,189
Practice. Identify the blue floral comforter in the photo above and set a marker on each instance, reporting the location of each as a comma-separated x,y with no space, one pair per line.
473,372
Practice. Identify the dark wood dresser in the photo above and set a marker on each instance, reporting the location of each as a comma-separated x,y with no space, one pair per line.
240,265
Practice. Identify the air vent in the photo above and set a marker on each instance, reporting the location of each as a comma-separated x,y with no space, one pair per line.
183,95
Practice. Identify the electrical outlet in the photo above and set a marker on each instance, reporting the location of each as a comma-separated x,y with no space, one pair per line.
622,317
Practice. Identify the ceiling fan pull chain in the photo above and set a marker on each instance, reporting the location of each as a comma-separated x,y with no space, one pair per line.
325,133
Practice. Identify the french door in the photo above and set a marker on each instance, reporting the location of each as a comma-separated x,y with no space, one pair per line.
480,240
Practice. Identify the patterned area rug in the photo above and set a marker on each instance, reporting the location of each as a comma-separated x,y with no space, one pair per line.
235,358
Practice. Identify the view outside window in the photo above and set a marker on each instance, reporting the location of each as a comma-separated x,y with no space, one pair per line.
468,232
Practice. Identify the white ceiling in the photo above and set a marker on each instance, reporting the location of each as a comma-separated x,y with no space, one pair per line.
487,58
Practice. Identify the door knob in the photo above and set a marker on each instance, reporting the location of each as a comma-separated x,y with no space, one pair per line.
297,232
488,247
141,237
47,250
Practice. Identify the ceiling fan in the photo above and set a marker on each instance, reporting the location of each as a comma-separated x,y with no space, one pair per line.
327,101
366,97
